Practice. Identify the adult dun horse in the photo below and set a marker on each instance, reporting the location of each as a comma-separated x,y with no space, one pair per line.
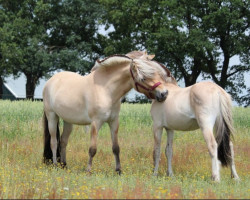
95,99
204,105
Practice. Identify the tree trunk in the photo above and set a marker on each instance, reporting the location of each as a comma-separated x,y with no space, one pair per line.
1,87
191,79
30,86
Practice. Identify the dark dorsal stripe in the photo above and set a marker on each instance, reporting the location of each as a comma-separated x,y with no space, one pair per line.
115,55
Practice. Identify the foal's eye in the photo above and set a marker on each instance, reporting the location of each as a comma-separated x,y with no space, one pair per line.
143,79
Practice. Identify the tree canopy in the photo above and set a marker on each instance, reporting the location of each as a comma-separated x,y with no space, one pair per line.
192,38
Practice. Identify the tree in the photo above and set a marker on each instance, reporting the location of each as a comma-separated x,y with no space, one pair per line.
72,27
50,35
227,24
8,60
190,37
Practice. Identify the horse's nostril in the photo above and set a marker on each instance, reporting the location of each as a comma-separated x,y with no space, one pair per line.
164,94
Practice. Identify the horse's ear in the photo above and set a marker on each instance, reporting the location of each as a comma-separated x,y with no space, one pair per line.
150,57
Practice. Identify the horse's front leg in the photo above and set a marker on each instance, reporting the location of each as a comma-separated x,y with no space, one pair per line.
157,147
114,125
169,151
67,128
93,143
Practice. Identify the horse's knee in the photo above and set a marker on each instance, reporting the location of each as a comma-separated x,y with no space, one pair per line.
116,149
92,151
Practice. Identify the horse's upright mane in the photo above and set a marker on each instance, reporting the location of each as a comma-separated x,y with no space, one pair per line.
110,61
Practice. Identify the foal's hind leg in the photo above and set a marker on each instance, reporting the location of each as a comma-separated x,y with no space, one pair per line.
169,151
67,128
157,147
93,143
233,169
114,125
212,148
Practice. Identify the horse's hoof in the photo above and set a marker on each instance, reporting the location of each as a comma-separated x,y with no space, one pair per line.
118,171
63,165
88,170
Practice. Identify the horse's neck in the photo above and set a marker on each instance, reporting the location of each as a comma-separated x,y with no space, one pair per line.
115,80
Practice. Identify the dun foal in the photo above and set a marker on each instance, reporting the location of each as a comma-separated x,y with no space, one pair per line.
204,105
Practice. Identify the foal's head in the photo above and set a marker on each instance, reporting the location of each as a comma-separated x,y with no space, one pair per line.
140,55
150,78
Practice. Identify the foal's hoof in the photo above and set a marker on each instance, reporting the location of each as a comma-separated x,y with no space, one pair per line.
155,174
170,174
236,179
216,179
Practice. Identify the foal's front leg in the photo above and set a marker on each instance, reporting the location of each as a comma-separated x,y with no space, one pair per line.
169,151
157,147
114,125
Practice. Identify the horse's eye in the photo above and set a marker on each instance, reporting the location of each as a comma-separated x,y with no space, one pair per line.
143,79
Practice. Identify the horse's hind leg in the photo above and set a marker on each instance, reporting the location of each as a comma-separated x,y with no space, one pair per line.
233,169
93,143
67,128
114,125
52,125
169,151
157,148
212,148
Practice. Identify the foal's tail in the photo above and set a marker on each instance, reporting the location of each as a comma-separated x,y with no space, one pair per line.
47,154
224,129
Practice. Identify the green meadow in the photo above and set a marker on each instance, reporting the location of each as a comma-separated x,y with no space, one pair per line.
23,175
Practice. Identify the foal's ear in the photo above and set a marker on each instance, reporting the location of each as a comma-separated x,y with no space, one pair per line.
147,56
150,57
136,71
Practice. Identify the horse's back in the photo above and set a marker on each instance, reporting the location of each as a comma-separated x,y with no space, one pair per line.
65,94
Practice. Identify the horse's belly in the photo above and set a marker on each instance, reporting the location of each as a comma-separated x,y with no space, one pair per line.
73,114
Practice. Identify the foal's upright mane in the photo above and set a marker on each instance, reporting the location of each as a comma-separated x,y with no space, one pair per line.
110,61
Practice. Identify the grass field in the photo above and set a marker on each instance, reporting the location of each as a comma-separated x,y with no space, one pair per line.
23,175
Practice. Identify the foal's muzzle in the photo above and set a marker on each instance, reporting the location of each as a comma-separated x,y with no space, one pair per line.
161,96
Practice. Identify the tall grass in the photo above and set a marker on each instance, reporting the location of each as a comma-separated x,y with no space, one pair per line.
23,175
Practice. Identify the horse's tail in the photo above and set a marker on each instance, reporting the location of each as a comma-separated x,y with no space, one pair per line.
47,153
224,129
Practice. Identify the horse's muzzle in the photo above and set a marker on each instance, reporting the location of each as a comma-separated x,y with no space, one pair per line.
161,96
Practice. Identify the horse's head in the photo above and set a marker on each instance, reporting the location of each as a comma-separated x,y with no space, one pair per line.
150,78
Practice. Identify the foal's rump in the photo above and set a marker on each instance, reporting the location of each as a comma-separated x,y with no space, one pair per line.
213,108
